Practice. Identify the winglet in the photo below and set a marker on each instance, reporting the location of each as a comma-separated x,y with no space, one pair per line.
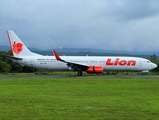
56,55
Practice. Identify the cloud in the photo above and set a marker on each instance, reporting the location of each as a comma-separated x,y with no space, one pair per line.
104,24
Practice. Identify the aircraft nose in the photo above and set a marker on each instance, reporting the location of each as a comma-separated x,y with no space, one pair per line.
153,65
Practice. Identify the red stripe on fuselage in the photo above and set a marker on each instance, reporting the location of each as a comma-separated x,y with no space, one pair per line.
10,42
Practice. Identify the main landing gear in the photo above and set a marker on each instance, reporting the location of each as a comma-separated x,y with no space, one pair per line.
142,73
80,73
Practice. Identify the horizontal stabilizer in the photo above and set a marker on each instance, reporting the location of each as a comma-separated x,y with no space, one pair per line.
12,57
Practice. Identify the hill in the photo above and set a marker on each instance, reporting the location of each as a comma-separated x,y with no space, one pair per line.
88,51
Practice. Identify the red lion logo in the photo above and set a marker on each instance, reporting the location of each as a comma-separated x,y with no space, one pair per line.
17,47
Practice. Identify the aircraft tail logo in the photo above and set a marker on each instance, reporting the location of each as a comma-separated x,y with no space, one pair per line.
17,47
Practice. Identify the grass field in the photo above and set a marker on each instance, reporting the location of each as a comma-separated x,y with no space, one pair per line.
79,99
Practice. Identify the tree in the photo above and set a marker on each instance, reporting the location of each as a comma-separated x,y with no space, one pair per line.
4,67
154,59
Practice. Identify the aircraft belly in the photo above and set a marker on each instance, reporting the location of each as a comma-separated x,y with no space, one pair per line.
120,68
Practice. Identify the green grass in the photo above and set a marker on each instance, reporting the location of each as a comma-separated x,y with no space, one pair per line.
79,99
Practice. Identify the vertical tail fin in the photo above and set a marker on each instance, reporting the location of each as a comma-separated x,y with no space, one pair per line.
17,46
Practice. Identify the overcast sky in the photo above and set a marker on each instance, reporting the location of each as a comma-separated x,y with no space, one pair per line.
129,25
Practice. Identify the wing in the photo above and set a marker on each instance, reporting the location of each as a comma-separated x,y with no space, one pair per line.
74,65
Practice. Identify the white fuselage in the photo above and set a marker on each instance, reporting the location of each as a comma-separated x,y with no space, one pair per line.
92,64
108,63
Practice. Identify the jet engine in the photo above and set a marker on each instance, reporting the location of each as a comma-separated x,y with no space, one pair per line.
95,69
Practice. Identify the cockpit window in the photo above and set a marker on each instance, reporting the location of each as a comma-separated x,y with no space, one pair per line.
148,62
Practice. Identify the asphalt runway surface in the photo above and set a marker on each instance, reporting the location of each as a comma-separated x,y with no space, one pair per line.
69,76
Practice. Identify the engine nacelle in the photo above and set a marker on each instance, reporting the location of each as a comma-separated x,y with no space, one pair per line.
95,69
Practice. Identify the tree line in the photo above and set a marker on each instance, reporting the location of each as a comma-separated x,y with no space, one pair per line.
7,66
153,58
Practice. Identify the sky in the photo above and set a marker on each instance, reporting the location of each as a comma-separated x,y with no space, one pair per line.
118,25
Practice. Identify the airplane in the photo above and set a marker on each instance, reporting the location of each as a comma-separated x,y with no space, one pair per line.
90,64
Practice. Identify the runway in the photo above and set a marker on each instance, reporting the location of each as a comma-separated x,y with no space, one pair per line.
69,76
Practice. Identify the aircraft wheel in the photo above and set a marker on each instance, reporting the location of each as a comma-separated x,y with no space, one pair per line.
142,74
80,73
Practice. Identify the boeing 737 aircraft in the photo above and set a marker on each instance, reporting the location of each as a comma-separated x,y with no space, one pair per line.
91,64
